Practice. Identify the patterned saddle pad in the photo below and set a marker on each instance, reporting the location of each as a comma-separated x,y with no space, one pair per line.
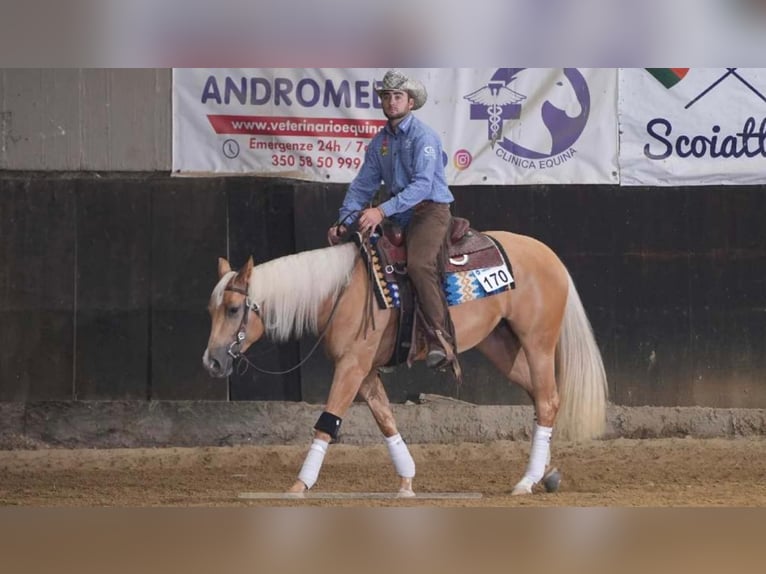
477,266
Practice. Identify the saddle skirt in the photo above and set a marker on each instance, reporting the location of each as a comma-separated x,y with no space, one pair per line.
476,267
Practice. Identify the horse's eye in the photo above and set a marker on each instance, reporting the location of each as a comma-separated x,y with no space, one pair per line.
232,311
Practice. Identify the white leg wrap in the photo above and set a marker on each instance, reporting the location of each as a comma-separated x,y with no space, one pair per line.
540,455
401,457
312,465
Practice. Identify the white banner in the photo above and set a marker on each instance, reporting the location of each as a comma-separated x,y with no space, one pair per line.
499,126
692,126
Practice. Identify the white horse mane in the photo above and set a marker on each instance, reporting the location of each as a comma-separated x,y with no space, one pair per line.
290,289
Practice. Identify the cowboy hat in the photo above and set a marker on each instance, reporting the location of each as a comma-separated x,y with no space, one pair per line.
394,80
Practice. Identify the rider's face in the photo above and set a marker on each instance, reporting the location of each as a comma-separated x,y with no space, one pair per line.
396,104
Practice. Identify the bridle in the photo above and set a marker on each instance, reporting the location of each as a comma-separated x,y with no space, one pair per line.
234,349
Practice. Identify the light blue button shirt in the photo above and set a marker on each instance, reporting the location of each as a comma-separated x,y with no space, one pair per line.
409,163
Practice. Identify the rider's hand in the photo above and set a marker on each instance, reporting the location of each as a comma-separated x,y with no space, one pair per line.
370,218
334,234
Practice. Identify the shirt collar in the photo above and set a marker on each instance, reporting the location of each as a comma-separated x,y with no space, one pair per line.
404,126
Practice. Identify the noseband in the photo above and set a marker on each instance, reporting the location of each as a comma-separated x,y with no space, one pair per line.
234,349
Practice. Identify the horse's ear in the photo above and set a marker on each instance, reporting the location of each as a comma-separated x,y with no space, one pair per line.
248,268
223,267
243,275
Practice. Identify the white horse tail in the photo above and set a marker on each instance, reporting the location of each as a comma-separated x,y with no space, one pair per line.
581,375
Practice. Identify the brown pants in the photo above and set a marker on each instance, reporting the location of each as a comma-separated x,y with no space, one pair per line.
426,233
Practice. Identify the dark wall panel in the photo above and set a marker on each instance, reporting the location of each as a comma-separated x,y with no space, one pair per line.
651,343
37,266
188,234
106,278
261,226
728,296
113,279
728,333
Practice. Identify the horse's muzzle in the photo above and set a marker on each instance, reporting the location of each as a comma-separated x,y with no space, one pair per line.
217,367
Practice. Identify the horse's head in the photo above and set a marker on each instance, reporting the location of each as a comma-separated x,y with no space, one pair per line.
235,319
537,86
561,93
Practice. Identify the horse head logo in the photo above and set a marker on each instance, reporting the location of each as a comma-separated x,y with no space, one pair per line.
533,112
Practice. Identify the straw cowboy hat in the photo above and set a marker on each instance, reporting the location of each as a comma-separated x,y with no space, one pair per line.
395,80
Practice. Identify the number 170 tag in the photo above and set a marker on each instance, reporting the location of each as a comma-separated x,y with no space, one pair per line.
493,278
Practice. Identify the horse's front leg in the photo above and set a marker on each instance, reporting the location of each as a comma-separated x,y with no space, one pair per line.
374,394
346,382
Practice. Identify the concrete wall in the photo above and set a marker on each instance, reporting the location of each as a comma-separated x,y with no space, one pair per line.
85,119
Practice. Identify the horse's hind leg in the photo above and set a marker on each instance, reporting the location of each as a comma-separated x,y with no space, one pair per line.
545,396
374,394
503,349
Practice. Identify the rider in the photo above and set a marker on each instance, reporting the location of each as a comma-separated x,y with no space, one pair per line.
407,156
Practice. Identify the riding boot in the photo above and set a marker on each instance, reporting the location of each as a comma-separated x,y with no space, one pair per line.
426,236
440,352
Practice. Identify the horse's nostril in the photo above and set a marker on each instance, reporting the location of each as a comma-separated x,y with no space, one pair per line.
212,365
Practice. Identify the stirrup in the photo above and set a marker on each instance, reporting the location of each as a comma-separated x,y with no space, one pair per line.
436,358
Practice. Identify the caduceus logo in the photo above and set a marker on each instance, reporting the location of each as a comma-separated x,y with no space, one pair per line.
500,104
533,115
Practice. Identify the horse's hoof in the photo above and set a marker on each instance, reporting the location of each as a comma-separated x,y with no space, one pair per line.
297,490
552,480
524,486
405,488
291,494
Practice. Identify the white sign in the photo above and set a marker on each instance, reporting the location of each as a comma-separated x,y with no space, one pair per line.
499,126
692,126
493,278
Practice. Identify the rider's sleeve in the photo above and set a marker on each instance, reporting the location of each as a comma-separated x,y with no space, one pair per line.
363,188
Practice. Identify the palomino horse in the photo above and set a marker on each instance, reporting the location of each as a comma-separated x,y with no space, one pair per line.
534,334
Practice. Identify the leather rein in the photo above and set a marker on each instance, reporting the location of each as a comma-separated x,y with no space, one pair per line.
234,349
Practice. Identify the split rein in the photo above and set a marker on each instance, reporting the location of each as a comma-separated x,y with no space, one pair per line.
234,349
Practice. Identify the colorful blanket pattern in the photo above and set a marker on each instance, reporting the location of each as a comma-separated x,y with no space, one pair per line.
386,292
463,286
